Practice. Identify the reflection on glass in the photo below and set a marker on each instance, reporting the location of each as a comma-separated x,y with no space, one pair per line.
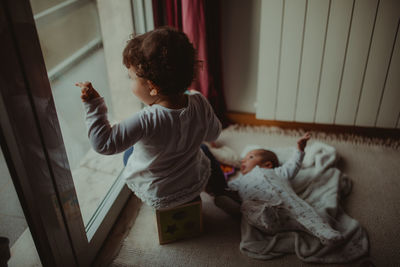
71,43
42,5
69,31
13,224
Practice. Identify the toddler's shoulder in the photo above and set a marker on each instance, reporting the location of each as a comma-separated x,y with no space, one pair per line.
192,92
200,101
147,116
195,95
146,112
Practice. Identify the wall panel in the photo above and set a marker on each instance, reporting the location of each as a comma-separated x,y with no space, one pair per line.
335,52
390,107
292,43
330,62
356,60
270,40
313,51
379,57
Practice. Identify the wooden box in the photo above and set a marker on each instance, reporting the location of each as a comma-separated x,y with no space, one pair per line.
180,222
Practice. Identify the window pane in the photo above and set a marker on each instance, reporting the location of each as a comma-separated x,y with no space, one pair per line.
72,46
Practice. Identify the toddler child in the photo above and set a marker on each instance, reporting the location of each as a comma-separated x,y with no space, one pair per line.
263,181
167,167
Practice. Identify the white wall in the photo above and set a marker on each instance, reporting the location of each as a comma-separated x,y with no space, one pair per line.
240,42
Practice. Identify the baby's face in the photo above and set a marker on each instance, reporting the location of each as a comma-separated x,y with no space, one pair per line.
252,159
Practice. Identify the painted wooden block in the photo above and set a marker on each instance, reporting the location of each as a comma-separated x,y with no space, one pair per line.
181,222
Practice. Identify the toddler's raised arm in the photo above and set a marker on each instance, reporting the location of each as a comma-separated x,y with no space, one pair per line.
88,93
104,138
107,139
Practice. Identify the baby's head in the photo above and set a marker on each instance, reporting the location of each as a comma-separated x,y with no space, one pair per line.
164,57
259,157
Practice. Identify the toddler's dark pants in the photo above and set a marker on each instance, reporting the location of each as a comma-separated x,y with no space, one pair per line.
216,183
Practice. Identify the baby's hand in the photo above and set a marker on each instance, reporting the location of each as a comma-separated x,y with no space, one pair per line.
302,142
87,90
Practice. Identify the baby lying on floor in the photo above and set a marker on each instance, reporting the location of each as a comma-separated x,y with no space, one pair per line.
262,179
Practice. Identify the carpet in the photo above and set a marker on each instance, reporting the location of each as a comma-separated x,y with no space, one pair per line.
371,164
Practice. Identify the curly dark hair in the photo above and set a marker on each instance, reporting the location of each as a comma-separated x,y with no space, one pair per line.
164,56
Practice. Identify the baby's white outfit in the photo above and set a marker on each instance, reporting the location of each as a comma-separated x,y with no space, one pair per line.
167,167
270,204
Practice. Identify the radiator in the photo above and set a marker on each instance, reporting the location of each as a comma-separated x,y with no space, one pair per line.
330,62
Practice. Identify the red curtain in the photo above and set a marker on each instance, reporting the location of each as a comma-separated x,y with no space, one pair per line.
200,20
167,12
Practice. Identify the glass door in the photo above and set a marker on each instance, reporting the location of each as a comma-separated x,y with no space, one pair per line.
72,45
72,195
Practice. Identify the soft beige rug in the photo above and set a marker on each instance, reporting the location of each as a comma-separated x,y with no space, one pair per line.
372,165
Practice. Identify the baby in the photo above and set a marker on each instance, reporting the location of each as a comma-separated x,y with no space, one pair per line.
267,160
268,200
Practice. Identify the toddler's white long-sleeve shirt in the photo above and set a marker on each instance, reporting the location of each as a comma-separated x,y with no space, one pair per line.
167,167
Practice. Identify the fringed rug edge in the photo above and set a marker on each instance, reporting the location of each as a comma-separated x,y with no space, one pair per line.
352,138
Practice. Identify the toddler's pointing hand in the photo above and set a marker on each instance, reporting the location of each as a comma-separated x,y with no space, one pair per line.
87,90
302,142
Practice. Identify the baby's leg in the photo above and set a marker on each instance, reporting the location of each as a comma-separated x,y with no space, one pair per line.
301,212
287,212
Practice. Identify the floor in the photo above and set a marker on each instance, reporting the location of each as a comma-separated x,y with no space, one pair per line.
12,219
95,174
373,202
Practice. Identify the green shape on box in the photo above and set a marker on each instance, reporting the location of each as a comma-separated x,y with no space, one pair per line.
180,223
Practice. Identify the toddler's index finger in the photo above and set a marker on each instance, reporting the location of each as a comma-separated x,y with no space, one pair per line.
79,84
307,135
83,84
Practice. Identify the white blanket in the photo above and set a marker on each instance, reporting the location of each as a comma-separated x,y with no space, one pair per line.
322,186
